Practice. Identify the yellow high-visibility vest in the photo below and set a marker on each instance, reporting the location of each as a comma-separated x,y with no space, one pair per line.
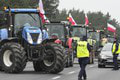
94,41
90,41
82,50
114,47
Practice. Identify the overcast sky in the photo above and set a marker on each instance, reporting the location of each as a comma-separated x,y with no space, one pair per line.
111,6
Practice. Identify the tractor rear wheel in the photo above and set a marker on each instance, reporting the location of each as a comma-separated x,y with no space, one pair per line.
53,58
13,58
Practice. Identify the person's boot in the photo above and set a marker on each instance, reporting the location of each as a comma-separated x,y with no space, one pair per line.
79,78
85,79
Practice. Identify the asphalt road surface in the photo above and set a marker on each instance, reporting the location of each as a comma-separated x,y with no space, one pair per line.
93,72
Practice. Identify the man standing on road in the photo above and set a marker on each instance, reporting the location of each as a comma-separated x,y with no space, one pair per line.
115,51
83,50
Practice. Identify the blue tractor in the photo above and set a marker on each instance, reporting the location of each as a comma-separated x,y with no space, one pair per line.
22,39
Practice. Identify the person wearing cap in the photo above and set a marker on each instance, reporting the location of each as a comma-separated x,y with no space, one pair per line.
115,52
83,53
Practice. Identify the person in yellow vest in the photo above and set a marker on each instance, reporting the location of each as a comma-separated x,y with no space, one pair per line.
90,41
115,52
83,53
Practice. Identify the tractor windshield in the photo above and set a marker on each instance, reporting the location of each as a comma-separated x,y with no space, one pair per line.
30,18
3,20
94,35
110,39
56,30
78,32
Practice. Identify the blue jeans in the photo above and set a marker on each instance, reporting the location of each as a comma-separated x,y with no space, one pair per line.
83,63
115,61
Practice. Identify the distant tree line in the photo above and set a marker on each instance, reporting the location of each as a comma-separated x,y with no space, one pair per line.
98,20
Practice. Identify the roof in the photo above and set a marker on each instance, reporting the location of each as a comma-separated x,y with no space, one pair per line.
81,26
22,10
78,25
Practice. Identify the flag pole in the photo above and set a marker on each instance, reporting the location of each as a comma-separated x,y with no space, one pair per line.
115,34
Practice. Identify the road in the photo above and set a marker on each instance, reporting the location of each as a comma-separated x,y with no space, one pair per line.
93,72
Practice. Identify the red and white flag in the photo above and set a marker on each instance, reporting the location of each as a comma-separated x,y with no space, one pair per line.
86,20
71,20
42,12
46,19
111,28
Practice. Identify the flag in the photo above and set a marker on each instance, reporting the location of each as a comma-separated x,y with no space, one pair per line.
42,12
71,20
46,19
86,20
111,28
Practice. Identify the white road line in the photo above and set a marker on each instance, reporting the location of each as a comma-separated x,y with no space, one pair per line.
72,72
93,65
57,77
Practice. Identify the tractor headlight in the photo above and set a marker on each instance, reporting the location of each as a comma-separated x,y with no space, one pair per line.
39,39
29,38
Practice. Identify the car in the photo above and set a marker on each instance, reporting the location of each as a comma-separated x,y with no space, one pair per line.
105,57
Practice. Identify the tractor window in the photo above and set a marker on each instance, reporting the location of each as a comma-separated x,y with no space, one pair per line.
3,20
26,18
56,30
94,35
78,32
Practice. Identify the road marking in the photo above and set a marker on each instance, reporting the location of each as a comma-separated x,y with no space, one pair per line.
93,65
57,77
72,72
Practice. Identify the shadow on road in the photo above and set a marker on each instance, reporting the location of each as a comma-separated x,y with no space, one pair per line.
40,73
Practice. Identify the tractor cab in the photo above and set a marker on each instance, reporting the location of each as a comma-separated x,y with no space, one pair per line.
96,36
78,31
58,30
17,19
22,26
110,38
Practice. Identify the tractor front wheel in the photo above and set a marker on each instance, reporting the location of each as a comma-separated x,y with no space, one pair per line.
13,57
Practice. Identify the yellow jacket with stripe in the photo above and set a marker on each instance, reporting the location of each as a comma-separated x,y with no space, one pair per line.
82,50
116,48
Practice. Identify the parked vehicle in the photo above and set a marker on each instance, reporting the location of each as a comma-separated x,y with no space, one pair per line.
105,56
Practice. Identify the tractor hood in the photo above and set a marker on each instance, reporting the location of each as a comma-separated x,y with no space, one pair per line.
33,35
